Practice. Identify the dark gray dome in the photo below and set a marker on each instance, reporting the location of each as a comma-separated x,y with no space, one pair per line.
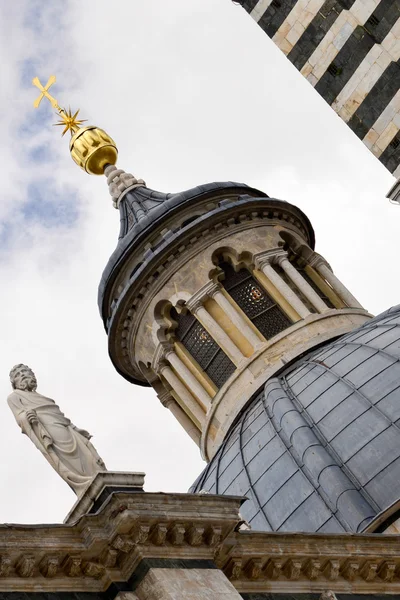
318,449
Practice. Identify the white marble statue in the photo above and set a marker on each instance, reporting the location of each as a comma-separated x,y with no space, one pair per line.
66,447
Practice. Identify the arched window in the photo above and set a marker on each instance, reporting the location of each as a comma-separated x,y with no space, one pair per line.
203,349
254,301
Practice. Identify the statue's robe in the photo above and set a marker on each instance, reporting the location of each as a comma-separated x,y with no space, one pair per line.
68,451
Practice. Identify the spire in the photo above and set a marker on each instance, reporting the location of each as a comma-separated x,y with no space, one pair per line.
91,147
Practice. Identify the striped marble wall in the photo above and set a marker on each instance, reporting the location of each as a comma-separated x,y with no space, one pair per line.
349,50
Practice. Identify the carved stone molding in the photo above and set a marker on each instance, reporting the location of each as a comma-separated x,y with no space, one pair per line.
268,257
109,546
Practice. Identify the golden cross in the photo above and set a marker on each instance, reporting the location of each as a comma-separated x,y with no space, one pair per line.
44,91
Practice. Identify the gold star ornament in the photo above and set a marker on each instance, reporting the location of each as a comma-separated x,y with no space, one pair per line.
91,148
69,121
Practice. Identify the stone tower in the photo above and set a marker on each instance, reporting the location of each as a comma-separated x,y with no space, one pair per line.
349,51
216,298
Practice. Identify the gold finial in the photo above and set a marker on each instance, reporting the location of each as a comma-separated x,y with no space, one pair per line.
91,147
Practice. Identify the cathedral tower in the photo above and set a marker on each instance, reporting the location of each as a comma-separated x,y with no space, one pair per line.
210,292
216,298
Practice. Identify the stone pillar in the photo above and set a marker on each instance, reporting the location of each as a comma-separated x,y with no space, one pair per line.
234,315
263,262
184,584
299,281
323,269
180,415
190,380
217,333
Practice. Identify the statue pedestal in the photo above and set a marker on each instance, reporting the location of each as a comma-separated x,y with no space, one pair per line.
99,490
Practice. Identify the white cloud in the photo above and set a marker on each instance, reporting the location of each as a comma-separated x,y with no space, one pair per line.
192,91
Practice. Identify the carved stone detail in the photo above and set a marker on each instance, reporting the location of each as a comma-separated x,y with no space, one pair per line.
25,566
234,568
72,566
331,570
108,557
177,534
350,570
122,543
5,566
328,595
213,536
93,569
253,568
140,533
312,569
292,569
49,566
120,182
369,570
273,568
195,535
387,571
159,534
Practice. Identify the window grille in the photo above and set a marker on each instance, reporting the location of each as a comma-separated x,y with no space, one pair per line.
254,301
201,346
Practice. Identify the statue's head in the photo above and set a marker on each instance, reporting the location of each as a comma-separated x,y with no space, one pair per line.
23,378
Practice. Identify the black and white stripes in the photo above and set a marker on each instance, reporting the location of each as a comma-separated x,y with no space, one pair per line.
349,50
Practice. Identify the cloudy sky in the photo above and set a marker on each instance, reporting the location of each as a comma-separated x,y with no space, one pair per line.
192,91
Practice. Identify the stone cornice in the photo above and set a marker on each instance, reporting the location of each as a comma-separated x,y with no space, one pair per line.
104,548
108,546
297,562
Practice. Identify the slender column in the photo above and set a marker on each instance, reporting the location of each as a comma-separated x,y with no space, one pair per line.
169,402
301,283
192,383
217,333
236,318
321,266
264,263
186,398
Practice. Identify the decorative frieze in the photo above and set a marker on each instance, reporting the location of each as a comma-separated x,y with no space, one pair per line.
109,546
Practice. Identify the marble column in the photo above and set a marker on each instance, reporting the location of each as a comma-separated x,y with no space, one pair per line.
263,262
217,333
318,263
187,376
299,281
234,315
180,415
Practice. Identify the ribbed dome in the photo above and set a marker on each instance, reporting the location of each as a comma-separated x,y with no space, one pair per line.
318,449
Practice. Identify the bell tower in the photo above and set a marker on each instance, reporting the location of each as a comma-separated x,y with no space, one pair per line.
210,293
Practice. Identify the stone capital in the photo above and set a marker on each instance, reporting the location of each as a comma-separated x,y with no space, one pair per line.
206,291
268,257
162,350
316,260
